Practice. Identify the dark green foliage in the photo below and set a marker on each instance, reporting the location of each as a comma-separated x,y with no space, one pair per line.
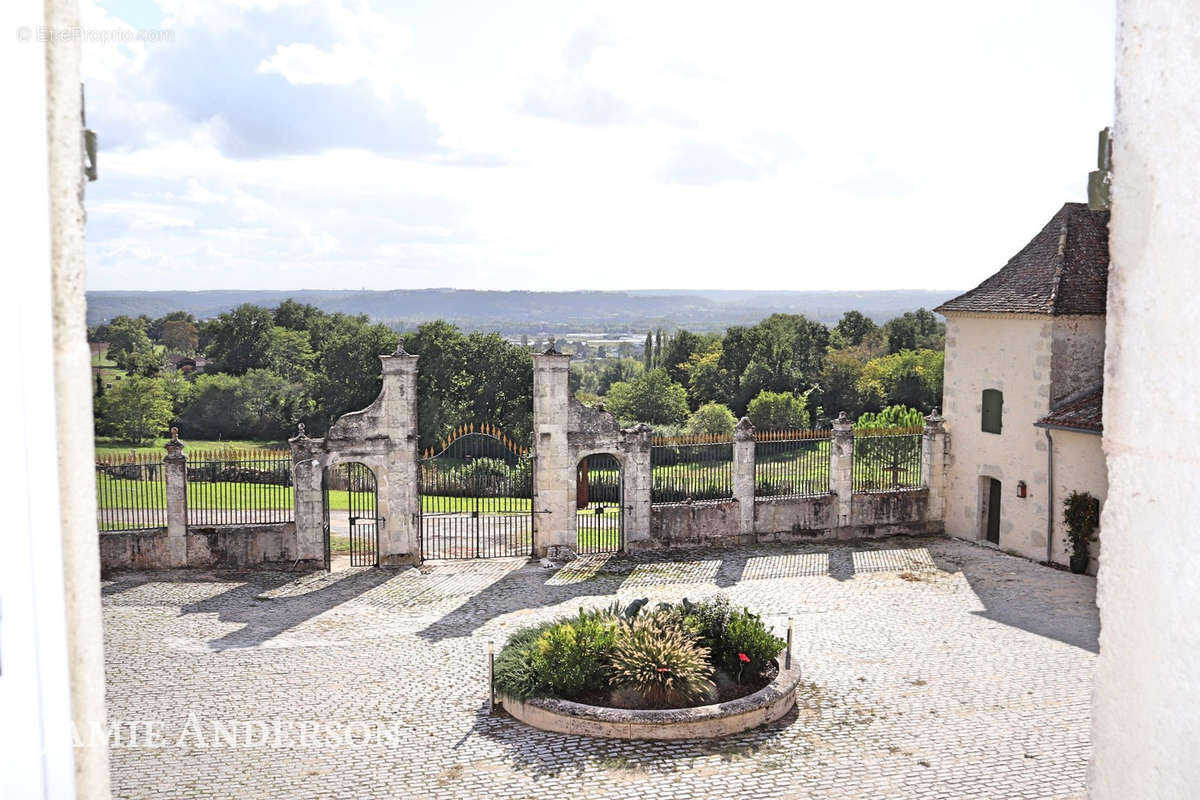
560,658
915,330
240,340
704,619
1081,513
470,378
745,634
853,326
650,397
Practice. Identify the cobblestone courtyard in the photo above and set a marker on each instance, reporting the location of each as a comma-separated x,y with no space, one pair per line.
932,668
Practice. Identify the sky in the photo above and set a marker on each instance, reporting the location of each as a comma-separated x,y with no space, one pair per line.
550,145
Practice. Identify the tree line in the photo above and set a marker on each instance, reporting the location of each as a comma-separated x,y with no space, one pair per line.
265,370
787,371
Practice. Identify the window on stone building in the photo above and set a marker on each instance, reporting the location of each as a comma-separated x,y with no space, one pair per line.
993,405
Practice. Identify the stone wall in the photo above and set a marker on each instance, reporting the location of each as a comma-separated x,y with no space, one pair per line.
784,519
212,547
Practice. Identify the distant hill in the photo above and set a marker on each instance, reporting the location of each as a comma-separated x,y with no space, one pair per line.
516,312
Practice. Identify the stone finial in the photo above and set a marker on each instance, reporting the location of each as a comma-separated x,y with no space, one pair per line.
174,447
300,434
934,421
744,429
550,349
842,426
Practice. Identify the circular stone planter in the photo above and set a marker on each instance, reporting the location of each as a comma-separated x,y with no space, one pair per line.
700,722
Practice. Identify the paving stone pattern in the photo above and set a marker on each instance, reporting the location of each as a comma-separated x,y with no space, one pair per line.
932,668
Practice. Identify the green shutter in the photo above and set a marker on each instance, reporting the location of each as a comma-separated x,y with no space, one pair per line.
993,405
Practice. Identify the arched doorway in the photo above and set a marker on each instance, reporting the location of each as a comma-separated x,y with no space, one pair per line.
599,506
350,500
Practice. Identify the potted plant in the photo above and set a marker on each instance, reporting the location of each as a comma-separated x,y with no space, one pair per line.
1081,512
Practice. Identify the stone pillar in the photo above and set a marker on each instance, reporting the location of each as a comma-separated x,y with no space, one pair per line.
1145,695
636,480
553,505
306,497
743,476
841,467
933,465
399,499
175,475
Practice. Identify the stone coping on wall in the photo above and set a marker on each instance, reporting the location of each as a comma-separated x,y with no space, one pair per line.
766,705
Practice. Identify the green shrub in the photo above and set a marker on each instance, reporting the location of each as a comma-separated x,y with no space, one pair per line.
659,661
747,648
558,659
517,673
704,619
1081,512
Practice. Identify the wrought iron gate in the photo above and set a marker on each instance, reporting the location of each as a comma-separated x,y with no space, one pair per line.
599,505
476,496
352,486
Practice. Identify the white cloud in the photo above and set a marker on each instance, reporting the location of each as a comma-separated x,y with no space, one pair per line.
596,145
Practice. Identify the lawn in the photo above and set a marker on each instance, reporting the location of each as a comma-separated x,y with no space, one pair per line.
108,447
129,494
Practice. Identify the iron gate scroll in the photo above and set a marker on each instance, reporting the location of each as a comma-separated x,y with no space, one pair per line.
599,505
352,488
476,496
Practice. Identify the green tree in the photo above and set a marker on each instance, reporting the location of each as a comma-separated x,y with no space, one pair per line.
650,397
915,330
241,339
891,417
838,382
783,353
125,336
136,409
296,316
853,326
290,354
778,411
711,419
648,352
707,380
677,351
909,377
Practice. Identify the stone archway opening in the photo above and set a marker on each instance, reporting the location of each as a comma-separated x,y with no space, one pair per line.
599,504
350,516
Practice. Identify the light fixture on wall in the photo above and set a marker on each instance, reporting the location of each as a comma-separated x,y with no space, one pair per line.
1021,489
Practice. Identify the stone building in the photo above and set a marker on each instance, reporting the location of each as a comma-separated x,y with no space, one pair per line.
1024,389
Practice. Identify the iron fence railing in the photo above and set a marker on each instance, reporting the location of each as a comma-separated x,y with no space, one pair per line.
886,460
239,487
694,468
791,463
131,492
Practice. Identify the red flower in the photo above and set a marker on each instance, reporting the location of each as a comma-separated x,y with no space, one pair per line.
745,659
664,669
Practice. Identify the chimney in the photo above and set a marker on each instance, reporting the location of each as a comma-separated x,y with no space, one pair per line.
1100,181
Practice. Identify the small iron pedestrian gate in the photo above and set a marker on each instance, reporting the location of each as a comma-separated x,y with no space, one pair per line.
476,496
351,488
599,503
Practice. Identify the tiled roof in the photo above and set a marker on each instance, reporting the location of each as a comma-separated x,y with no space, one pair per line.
1085,414
1063,270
